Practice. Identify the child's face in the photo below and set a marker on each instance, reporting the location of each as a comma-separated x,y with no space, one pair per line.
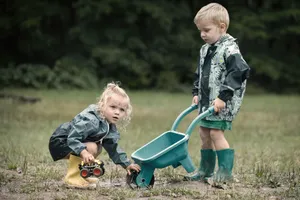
115,108
209,31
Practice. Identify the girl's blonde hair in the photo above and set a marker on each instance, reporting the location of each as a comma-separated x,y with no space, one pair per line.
214,12
111,89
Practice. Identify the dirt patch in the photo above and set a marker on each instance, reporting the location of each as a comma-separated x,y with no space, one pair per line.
18,186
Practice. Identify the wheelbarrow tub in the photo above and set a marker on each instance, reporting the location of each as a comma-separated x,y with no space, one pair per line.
170,148
167,149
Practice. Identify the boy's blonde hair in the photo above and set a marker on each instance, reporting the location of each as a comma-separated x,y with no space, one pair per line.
214,12
111,89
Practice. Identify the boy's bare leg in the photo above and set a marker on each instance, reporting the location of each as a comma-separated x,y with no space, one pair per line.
207,155
225,159
218,139
206,140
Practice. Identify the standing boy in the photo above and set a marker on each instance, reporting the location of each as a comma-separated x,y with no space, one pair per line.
220,81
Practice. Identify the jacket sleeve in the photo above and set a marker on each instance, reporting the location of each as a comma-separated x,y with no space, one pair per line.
196,82
116,154
82,127
237,72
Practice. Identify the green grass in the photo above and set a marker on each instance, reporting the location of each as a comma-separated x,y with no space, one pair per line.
265,136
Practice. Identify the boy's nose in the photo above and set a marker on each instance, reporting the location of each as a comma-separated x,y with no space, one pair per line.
202,34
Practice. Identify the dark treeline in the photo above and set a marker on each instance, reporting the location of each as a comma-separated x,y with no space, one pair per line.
144,44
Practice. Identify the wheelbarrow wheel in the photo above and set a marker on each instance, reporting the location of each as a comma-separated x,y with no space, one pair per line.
131,180
152,181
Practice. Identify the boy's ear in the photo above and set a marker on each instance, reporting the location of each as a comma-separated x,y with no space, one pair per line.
223,26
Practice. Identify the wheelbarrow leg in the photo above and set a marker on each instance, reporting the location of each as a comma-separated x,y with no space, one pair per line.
187,164
145,176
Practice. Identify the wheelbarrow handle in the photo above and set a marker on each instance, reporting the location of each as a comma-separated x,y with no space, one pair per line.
191,127
182,115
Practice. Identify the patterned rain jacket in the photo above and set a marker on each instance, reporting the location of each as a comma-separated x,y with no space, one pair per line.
222,73
87,126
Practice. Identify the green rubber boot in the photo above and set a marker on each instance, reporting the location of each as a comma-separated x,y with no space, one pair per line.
225,163
207,166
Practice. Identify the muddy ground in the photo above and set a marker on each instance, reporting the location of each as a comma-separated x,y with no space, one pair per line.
16,185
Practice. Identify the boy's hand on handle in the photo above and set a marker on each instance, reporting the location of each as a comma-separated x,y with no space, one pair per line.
195,100
218,105
86,156
134,167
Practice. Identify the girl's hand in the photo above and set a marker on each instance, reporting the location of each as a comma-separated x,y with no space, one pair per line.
218,105
86,156
195,100
134,167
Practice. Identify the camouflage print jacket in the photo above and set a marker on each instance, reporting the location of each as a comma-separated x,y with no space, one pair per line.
226,77
88,126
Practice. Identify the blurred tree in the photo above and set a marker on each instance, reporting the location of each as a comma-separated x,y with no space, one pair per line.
269,33
144,44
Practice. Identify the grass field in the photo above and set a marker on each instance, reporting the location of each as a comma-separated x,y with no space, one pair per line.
265,136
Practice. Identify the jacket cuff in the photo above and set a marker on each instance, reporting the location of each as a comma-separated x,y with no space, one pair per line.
78,150
195,92
126,164
226,95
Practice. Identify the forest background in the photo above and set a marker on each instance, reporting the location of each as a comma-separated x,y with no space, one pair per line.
143,44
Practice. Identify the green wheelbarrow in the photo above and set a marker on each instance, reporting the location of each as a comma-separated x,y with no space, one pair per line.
170,148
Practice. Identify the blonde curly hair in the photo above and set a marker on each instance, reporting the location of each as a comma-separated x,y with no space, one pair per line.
111,89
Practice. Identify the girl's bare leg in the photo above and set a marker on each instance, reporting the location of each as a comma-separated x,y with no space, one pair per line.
93,148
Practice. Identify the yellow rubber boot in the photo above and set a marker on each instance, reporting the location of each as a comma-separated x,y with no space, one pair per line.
73,178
